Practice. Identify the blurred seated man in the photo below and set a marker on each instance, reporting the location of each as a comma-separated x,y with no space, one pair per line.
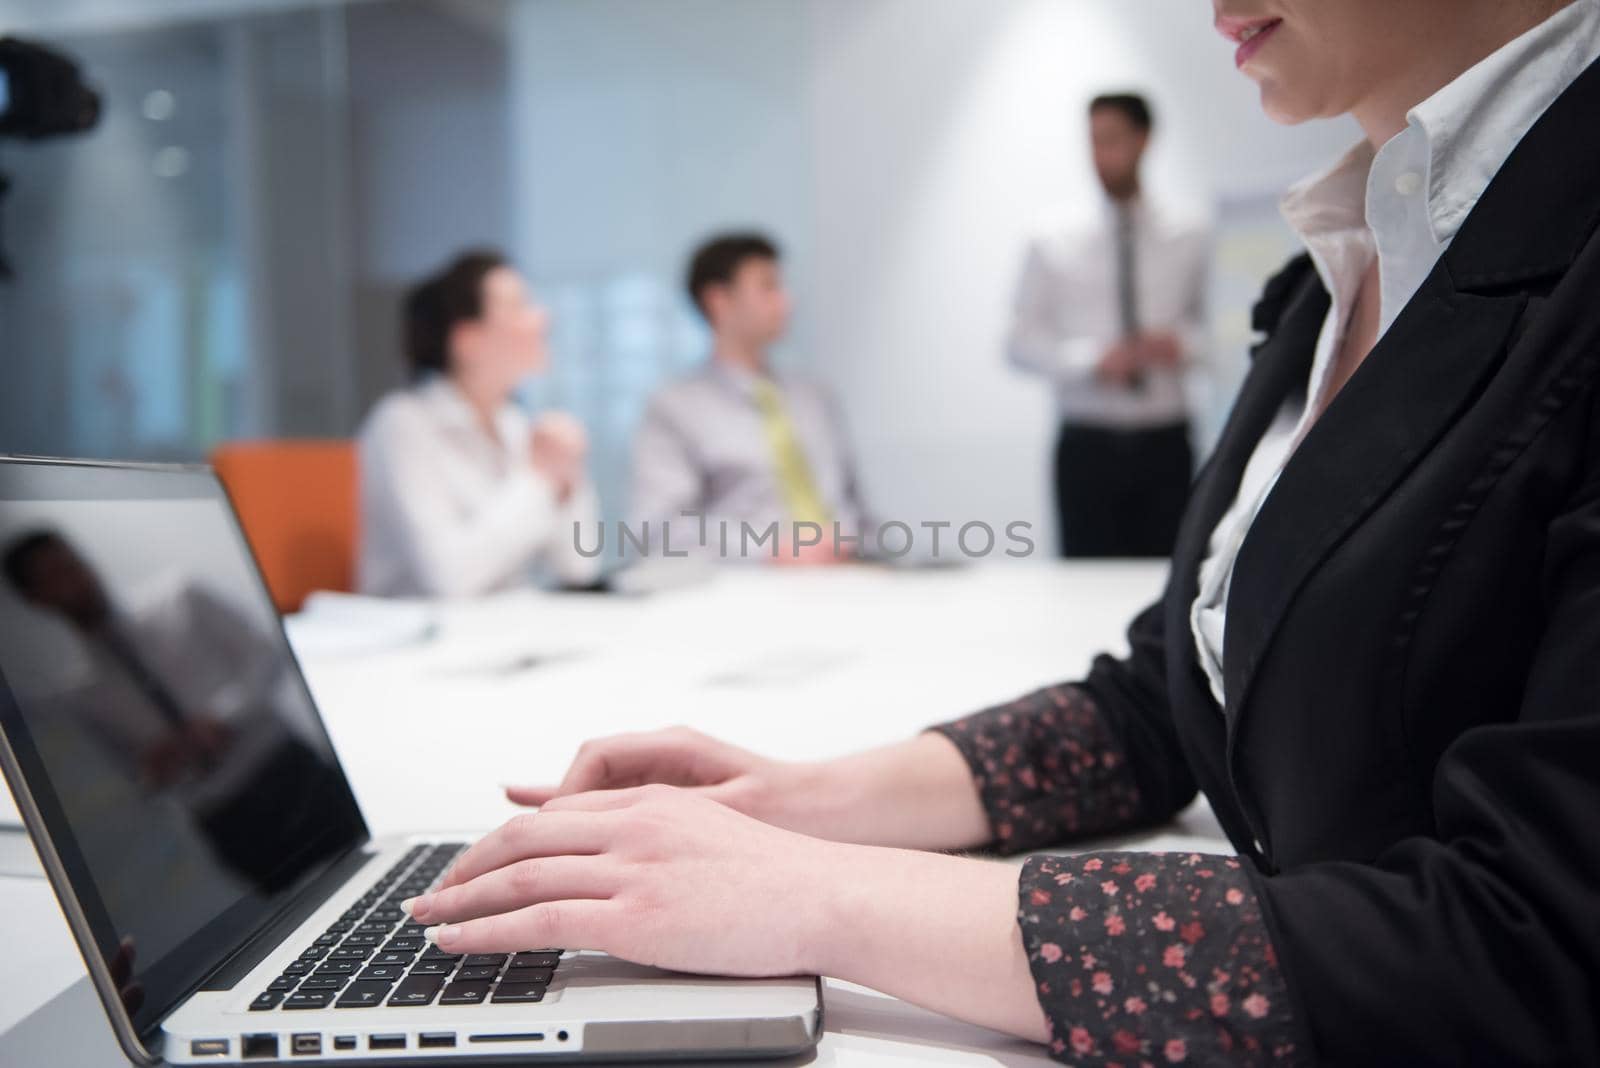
748,450
187,697
461,492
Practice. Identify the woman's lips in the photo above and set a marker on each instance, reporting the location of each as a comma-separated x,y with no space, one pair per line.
1250,35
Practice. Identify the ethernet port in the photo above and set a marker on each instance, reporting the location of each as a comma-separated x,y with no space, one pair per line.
258,1047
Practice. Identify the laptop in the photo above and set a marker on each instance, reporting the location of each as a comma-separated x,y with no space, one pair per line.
204,843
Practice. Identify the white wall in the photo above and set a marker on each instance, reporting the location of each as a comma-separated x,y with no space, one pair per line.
940,133
903,148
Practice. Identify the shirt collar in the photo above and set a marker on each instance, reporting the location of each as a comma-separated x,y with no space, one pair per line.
450,407
1462,134
1472,125
740,379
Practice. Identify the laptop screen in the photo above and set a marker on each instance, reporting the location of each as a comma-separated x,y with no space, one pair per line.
158,718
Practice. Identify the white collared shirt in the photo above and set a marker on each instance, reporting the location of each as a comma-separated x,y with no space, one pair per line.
1066,313
1403,204
448,511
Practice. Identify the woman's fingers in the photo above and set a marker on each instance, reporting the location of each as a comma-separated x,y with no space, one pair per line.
676,756
534,834
569,924
531,795
602,800
629,760
516,886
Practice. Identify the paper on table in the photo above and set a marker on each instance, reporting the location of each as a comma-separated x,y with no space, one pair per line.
343,624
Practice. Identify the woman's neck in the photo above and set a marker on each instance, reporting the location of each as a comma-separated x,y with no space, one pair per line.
485,398
1478,29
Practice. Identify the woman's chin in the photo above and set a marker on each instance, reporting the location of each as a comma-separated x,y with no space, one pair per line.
1282,107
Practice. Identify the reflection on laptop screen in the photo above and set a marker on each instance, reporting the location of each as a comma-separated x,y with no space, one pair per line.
159,720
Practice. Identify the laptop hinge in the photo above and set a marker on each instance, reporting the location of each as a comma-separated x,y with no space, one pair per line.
227,974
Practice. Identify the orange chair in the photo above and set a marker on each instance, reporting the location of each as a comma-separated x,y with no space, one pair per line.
297,501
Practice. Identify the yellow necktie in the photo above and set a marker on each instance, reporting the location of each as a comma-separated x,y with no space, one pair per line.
789,462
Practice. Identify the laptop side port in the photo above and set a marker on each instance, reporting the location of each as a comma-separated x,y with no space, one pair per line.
386,1041
436,1040
208,1047
344,1042
258,1047
306,1045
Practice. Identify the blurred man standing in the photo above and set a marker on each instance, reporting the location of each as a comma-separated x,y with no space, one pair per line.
1110,309
738,444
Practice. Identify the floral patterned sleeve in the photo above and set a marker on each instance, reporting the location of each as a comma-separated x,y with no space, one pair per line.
1137,958
1047,769
1155,958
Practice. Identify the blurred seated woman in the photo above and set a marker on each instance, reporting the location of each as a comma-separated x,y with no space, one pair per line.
462,493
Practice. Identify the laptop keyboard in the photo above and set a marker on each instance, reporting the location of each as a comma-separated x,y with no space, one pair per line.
373,956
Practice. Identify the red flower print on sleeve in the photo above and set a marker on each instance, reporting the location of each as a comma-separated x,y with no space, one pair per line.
1170,963
1047,769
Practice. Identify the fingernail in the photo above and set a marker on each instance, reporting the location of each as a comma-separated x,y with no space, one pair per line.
408,906
439,934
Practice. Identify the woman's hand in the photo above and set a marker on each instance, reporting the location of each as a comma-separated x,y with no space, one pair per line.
665,877
654,875
917,794
759,787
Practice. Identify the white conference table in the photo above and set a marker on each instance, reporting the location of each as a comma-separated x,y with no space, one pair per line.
801,665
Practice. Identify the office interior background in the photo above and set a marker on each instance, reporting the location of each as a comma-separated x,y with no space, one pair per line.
223,256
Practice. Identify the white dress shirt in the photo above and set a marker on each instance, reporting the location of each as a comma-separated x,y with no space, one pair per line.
1404,205
449,511
702,447
1067,312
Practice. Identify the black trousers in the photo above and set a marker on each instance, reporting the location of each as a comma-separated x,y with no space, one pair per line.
1121,492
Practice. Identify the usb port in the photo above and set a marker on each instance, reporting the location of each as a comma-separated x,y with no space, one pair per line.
386,1041
437,1040
306,1045
208,1047
344,1041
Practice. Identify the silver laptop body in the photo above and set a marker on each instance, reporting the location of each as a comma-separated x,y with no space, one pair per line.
204,843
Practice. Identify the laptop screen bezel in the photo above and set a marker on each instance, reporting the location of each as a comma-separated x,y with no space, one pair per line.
182,971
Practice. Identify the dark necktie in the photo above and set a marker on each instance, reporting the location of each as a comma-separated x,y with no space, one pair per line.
139,672
1127,273
1128,282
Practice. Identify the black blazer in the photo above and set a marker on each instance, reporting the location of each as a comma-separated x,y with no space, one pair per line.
1410,752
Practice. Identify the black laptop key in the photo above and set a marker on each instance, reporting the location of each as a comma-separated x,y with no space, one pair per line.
266,1000
309,999
325,982
389,973
364,938
365,995
356,953
376,927
432,967
297,967
283,982
417,990
329,939
403,945
459,993
337,967
477,973
387,912
518,993
539,959
401,959
435,953
486,960
339,927
530,975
